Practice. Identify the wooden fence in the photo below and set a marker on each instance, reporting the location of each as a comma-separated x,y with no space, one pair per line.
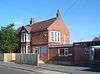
19,58
1,56
26,58
7,57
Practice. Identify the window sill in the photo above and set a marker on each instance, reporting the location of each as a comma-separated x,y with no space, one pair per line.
63,55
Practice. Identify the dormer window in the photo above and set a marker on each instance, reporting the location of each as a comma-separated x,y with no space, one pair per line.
54,36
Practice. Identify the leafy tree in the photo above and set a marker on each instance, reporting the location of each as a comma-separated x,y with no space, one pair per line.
8,41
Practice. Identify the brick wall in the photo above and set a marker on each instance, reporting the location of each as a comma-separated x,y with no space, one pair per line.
39,38
53,53
58,25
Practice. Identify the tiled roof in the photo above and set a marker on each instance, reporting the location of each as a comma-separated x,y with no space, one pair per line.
38,26
59,45
28,28
18,30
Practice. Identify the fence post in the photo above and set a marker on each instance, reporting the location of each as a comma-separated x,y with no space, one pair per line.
37,57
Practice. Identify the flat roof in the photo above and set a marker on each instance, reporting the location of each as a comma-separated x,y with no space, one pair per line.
88,43
60,45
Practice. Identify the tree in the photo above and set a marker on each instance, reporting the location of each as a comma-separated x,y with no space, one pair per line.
8,41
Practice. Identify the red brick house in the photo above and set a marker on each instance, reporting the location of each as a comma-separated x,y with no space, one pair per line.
44,36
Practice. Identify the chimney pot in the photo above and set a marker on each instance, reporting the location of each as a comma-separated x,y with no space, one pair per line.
58,15
31,21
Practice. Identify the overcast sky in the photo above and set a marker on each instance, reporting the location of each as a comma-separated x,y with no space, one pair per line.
82,17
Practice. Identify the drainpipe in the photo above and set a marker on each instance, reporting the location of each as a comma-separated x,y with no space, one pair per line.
37,56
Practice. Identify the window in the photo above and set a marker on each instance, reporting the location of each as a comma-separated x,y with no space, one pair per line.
55,36
29,37
87,51
29,49
44,49
66,52
23,49
34,49
52,36
58,36
25,37
63,52
22,37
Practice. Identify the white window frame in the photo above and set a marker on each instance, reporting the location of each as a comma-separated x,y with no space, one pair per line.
54,36
58,36
23,49
25,36
65,50
33,50
29,37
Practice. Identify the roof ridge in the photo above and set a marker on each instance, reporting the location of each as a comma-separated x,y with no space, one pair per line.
45,20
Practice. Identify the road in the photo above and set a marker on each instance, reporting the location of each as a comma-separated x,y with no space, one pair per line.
13,68
82,69
10,70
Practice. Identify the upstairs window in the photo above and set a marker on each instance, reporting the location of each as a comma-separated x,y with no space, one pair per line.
55,36
25,37
52,36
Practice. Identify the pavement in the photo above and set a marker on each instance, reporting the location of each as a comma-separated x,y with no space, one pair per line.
54,69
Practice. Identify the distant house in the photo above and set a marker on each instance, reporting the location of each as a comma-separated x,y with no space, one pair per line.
50,37
96,38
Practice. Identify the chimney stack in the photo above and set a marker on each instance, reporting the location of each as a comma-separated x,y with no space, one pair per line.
31,20
58,14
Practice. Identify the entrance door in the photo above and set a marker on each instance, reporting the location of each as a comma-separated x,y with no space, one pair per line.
43,53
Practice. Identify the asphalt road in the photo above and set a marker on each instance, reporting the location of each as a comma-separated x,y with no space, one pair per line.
13,68
8,70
